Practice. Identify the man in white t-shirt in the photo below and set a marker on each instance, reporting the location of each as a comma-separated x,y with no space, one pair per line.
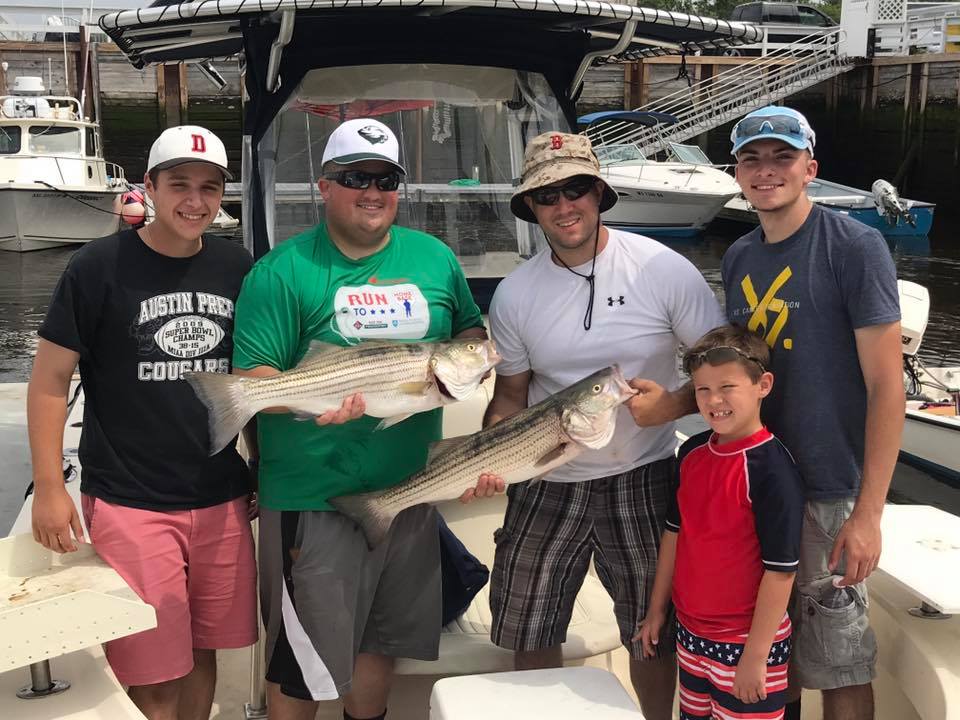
596,296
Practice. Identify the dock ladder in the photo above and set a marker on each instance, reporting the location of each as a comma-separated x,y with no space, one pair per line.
733,93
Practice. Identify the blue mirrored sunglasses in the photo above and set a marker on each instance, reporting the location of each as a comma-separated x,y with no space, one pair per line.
770,125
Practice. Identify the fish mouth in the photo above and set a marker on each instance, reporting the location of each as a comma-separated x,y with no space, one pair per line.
443,388
626,392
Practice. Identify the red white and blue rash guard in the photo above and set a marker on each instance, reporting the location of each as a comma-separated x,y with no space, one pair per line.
738,511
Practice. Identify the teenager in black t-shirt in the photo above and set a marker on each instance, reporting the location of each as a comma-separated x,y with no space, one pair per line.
136,310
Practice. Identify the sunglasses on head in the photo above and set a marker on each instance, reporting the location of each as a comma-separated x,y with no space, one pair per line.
572,190
360,180
717,356
770,125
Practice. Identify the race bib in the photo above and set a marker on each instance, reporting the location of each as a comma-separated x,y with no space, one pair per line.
371,311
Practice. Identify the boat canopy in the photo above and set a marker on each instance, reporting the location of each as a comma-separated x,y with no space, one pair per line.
648,118
315,34
463,83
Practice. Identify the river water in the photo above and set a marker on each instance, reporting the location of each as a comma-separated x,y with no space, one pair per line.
851,153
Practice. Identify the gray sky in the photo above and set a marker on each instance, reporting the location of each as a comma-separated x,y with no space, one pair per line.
37,10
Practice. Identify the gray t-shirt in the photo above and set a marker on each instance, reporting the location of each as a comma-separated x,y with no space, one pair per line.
807,295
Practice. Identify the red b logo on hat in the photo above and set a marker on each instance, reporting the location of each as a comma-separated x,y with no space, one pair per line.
199,144
556,142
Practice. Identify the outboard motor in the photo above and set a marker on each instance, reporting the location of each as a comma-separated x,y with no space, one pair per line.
890,205
920,382
914,312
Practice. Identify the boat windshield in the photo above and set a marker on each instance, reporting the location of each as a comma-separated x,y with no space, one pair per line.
462,131
689,154
619,154
9,140
52,140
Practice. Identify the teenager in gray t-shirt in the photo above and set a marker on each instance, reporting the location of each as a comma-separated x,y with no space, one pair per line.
807,295
821,289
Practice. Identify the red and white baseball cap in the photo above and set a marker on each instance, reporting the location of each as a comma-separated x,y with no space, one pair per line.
186,144
362,139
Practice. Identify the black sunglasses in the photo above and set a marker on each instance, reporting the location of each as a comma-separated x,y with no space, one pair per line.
717,356
573,190
360,180
772,124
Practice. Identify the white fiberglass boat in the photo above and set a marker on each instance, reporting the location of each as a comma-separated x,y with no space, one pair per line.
674,197
464,84
55,186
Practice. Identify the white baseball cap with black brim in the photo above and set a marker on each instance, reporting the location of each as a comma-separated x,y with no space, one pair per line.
362,139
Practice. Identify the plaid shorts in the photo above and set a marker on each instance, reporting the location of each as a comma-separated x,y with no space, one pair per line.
550,532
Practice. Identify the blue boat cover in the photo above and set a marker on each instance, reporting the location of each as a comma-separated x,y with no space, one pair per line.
646,117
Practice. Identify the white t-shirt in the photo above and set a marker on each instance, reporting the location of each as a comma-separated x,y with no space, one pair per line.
648,300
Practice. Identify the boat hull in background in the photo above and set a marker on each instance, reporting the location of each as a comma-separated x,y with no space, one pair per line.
33,217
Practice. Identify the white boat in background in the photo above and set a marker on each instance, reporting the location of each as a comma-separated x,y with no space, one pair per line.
931,432
677,196
55,186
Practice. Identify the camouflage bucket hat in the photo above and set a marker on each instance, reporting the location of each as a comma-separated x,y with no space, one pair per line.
555,156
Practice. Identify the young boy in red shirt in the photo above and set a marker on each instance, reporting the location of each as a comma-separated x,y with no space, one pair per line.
731,545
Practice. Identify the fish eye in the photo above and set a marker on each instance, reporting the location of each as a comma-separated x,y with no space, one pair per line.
597,388
433,362
471,347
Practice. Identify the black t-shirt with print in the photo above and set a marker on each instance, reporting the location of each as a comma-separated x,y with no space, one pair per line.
140,319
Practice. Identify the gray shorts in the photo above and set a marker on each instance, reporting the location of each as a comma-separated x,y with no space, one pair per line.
550,532
325,597
834,645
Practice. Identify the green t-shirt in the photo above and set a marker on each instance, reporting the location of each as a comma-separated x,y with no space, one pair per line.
306,289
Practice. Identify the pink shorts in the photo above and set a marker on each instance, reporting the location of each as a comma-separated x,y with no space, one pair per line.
195,567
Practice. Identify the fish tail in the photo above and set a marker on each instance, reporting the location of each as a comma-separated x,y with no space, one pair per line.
365,510
228,408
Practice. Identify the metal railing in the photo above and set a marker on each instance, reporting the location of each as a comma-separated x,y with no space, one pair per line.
732,93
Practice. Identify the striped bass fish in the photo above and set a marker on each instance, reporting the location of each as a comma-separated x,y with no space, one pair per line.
396,380
523,446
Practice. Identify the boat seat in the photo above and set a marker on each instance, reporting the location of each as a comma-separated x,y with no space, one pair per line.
559,694
465,645
62,608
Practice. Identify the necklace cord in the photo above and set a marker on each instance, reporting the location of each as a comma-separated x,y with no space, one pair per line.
591,278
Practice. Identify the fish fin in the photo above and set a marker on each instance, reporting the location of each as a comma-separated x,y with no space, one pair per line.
366,512
418,387
228,408
441,446
551,456
391,421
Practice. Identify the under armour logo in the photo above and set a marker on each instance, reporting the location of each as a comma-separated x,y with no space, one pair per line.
618,301
199,143
556,141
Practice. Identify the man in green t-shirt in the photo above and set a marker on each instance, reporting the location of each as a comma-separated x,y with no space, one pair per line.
336,614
